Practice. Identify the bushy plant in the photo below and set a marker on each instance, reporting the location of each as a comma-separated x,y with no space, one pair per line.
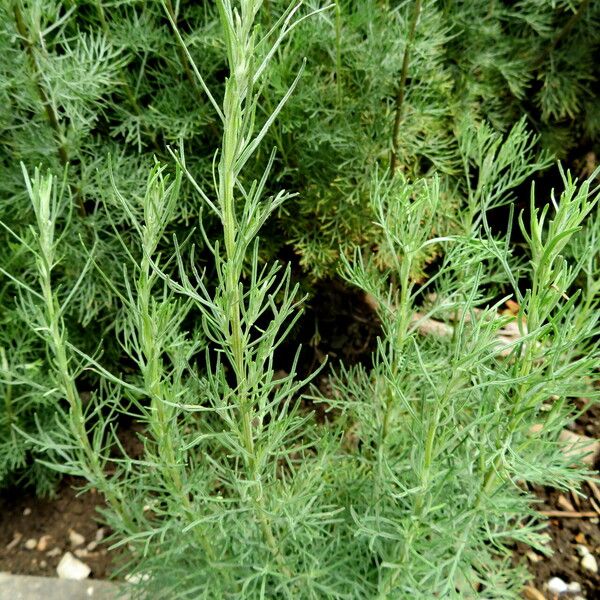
157,301
387,85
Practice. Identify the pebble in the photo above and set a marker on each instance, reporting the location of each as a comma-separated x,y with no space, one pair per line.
530,593
31,544
582,550
54,552
43,542
557,586
92,546
27,512
17,537
43,564
576,445
534,557
100,533
70,567
75,538
589,563
135,578
574,587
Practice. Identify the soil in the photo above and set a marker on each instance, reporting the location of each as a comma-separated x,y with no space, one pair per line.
340,325
566,534
50,521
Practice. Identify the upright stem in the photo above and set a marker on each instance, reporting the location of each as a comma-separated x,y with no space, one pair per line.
401,90
338,51
236,102
153,379
420,505
51,115
180,51
163,418
8,407
399,335
575,17
58,347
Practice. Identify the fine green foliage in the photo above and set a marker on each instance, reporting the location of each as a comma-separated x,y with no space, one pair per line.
448,429
135,285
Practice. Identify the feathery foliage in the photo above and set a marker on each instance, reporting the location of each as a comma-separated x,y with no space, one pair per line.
135,284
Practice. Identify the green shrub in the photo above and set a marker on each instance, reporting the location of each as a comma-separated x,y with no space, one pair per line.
398,141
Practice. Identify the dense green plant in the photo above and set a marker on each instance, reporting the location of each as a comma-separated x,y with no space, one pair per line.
401,84
387,84
415,486
443,426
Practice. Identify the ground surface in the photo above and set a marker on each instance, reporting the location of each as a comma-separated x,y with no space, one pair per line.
568,532
344,330
54,525
27,587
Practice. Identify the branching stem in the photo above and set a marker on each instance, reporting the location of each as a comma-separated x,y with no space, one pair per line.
401,90
49,109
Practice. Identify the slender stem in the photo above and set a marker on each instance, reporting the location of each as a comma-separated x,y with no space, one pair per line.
51,115
163,420
575,17
8,407
234,104
338,51
77,418
401,90
420,505
180,51
400,333
47,104
152,371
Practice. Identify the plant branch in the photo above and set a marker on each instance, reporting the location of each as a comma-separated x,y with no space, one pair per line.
51,115
401,90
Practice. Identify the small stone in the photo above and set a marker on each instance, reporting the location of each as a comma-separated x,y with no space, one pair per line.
580,538
27,512
582,550
574,587
17,537
43,564
43,543
135,578
595,520
589,563
557,586
92,546
576,445
31,544
70,567
100,533
530,593
54,552
534,557
80,552
75,538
